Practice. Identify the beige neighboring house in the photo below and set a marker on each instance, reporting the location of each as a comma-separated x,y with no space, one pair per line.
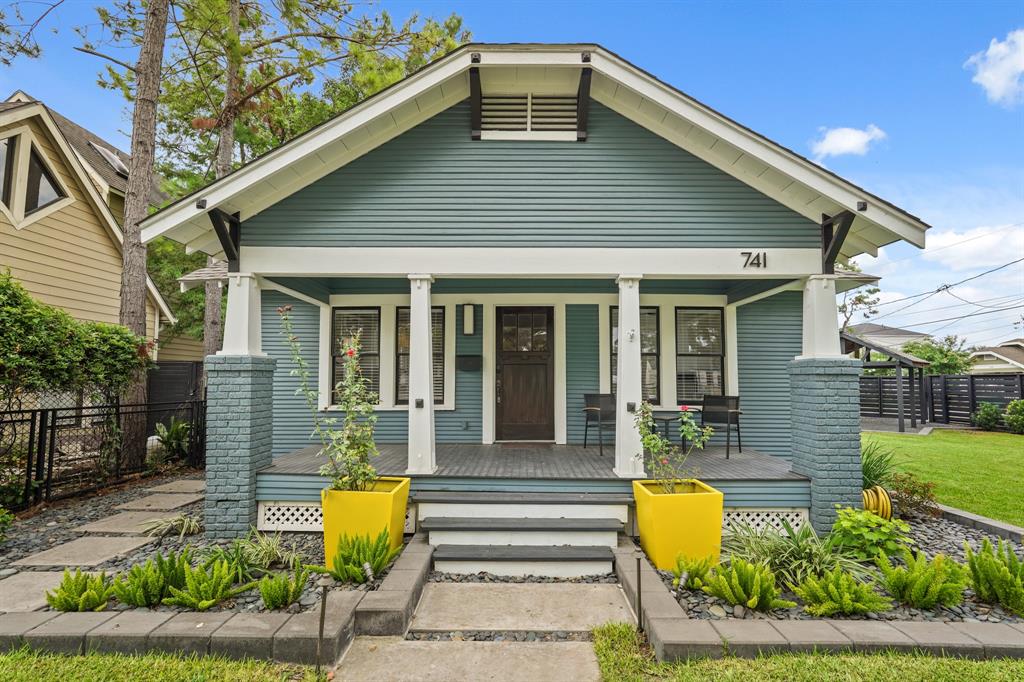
1006,358
881,335
59,230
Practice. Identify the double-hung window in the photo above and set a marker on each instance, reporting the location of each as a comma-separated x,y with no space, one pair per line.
700,353
650,353
350,323
402,354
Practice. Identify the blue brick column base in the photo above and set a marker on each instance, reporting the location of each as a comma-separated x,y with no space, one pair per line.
239,419
826,433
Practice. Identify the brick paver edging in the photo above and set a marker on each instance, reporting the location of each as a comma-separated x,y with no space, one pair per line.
983,523
289,638
676,636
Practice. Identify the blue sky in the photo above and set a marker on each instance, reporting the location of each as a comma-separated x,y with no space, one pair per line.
913,101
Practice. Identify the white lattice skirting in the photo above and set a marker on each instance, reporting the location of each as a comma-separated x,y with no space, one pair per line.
305,517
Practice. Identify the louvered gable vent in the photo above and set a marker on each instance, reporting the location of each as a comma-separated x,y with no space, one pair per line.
528,113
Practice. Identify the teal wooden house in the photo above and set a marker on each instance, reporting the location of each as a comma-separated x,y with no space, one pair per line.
510,229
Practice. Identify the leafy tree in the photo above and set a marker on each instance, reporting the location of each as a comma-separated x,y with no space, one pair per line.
19,22
947,355
863,299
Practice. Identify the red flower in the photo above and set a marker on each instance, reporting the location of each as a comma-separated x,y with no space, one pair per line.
664,460
350,352
684,408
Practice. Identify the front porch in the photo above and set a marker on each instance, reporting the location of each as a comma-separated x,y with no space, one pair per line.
749,479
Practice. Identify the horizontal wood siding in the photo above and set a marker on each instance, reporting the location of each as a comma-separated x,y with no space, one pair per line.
625,187
181,347
768,337
463,425
292,420
738,494
582,365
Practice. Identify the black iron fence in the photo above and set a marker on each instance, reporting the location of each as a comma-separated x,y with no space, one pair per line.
53,453
945,399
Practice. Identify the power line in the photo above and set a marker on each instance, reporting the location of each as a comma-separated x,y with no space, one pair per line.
962,317
1005,300
980,305
924,252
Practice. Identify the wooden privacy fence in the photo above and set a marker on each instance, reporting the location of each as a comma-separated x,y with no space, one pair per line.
946,399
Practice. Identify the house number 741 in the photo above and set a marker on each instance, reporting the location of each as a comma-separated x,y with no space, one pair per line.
754,259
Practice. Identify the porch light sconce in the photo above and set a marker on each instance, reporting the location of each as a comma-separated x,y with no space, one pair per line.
467,320
419,402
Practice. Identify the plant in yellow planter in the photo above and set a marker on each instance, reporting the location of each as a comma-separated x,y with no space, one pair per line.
676,513
358,501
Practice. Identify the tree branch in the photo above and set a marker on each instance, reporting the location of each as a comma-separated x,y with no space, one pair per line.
123,65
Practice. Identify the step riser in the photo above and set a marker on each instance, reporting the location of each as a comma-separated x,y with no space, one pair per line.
584,538
553,569
426,510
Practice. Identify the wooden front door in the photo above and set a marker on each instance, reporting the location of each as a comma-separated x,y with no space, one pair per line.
525,374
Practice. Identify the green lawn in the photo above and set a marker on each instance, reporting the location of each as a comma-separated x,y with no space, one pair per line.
28,666
975,471
623,657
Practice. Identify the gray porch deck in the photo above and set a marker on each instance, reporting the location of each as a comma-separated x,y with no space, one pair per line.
542,461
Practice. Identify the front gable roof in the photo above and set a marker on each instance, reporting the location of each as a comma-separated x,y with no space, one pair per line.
12,112
779,173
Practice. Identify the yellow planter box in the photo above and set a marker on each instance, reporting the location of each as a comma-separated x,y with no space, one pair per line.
687,522
364,512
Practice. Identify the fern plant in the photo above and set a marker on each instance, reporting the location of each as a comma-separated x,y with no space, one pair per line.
359,558
149,584
997,575
924,584
279,591
206,586
752,585
839,592
691,573
81,592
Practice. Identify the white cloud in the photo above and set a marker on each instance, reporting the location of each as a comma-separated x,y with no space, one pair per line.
841,141
980,247
1000,69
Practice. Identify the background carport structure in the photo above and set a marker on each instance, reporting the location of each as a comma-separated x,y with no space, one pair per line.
897,360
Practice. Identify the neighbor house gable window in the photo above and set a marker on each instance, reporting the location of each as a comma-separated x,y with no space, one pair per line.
8,154
42,188
402,354
349,323
650,352
700,353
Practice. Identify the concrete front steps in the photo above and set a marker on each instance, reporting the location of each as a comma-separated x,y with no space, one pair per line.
563,535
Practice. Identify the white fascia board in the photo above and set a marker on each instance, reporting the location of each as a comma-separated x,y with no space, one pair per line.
782,263
1001,357
302,148
800,170
90,190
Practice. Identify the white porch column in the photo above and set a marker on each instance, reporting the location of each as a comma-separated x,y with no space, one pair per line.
421,378
242,323
628,450
821,322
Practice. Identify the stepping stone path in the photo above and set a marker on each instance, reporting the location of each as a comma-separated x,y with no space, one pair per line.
84,552
394,659
125,523
161,502
186,485
26,591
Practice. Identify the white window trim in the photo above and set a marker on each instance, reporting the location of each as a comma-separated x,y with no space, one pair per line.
25,141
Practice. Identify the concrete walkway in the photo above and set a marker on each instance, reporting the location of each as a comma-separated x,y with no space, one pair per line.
391,659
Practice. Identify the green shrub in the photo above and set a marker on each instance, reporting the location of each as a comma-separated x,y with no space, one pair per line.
986,417
911,495
866,535
182,524
839,592
81,592
1014,416
149,584
206,586
265,550
751,585
6,519
173,437
877,464
924,584
237,559
279,591
791,555
997,575
691,573
357,554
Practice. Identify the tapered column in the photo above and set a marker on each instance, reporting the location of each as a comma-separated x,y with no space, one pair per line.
421,378
820,323
242,323
628,450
